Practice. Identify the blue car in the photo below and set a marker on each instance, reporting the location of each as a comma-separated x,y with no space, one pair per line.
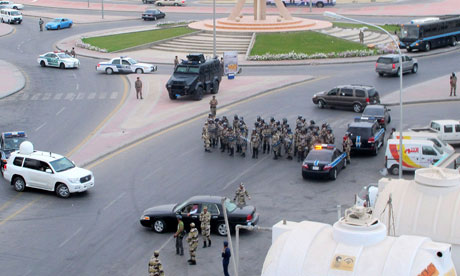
59,23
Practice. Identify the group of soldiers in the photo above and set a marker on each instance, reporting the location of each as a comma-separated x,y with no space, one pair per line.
271,136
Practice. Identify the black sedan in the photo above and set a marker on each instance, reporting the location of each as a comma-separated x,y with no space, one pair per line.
162,218
380,112
153,14
325,161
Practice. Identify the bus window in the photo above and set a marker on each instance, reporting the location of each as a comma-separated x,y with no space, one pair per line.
409,32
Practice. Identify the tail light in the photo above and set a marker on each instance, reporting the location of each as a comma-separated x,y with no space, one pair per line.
376,64
327,167
249,217
393,66
371,140
382,120
305,166
98,65
367,100
4,167
344,138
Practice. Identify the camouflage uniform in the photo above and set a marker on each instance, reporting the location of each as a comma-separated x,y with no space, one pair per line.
289,143
276,145
347,143
323,134
255,141
314,140
213,106
301,145
236,122
212,130
192,240
240,195
267,134
231,138
223,138
243,139
207,142
155,266
205,218
330,139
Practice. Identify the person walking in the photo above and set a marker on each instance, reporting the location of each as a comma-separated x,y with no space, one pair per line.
222,68
155,266
453,84
347,143
72,53
179,235
192,240
40,23
361,36
205,218
240,195
213,105
226,254
138,86
176,62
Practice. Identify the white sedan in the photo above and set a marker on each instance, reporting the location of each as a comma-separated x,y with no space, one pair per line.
125,65
11,5
58,59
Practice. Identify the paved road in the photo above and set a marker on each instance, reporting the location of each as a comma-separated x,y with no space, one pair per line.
98,233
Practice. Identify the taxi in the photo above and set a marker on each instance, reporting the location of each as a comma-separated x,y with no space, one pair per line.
325,160
58,59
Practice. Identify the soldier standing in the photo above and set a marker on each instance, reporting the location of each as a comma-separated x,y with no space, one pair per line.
243,138
205,219
231,140
138,86
72,52
330,139
289,143
361,36
40,23
179,235
212,129
176,62
453,84
255,141
155,266
276,144
314,140
223,138
323,133
206,139
192,240
347,143
267,134
301,144
213,105
240,195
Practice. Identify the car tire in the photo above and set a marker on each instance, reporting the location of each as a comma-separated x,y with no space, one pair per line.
409,50
172,96
215,87
58,27
199,93
427,47
158,4
109,71
42,63
62,191
321,104
398,73
394,170
319,4
381,74
415,68
19,184
70,25
159,226
15,8
453,41
139,71
62,66
333,174
222,229
357,108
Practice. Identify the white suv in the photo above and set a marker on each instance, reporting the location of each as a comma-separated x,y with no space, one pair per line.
46,171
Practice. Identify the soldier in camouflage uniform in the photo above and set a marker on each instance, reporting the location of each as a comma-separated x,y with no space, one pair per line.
323,134
155,266
297,132
192,240
314,140
255,141
223,137
346,145
289,143
298,120
330,139
237,137
240,195
301,145
231,139
276,144
243,138
212,130
207,142
236,121
205,218
266,136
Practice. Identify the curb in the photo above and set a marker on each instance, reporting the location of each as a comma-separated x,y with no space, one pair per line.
84,23
146,136
423,102
12,30
18,74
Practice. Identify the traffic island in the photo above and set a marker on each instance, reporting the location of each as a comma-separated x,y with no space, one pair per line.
12,80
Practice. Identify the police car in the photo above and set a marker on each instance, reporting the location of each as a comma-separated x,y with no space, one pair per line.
324,160
366,135
58,59
9,142
125,65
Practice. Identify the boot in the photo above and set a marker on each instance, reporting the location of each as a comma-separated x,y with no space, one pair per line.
204,244
268,148
276,157
253,154
243,154
193,262
209,241
231,151
177,251
289,157
189,261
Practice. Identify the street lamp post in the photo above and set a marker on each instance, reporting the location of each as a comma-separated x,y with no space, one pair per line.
338,16
102,9
214,28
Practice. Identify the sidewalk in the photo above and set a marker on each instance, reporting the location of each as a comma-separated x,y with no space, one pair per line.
11,79
5,29
138,119
436,90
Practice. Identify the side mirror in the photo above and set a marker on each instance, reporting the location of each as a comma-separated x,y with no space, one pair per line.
48,171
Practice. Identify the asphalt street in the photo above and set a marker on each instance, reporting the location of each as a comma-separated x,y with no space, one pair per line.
98,232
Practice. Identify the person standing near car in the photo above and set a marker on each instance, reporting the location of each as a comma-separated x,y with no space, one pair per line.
40,23
453,84
138,86
205,218
192,240
72,53
240,195
226,254
176,62
347,143
179,235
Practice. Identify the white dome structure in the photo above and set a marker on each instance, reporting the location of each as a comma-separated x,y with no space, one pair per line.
356,245
26,147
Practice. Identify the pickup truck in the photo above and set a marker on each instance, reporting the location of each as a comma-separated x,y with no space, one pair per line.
447,130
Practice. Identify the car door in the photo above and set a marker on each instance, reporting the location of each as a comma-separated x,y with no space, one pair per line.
31,171
125,66
449,134
52,60
331,97
117,64
45,177
457,133
345,97
360,96
429,156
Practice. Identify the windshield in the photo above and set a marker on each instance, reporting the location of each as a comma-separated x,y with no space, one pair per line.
132,61
324,155
229,205
63,55
369,111
15,13
180,206
187,69
13,143
57,20
360,131
409,32
62,164
386,60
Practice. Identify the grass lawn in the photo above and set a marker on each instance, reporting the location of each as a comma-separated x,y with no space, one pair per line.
390,28
122,41
301,42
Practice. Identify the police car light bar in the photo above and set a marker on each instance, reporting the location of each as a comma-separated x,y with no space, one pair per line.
324,146
14,134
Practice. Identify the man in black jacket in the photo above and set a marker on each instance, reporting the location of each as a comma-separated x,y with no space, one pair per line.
226,258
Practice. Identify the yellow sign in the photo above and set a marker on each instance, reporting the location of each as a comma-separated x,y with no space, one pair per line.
430,270
451,273
343,262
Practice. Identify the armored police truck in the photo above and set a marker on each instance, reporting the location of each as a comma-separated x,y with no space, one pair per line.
195,76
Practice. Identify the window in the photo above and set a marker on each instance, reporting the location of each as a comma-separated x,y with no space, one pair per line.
32,164
44,166
116,61
212,208
125,62
347,92
448,129
435,126
18,161
360,93
457,128
191,209
426,150
62,164
332,92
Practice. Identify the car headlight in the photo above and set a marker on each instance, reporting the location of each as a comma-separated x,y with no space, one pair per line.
74,180
145,218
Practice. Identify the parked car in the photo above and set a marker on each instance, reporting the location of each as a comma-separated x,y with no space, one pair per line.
448,130
379,112
11,5
149,1
170,3
162,218
389,64
10,16
355,96
59,23
153,14
324,161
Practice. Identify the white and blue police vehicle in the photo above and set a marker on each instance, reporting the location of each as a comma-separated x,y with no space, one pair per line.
125,65
324,160
366,134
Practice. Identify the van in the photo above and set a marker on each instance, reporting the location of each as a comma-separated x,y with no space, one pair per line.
10,16
433,137
416,154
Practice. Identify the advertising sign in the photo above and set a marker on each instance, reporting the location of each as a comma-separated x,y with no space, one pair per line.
230,63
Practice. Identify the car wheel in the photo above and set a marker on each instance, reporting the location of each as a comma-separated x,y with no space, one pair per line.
19,184
109,71
427,46
139,71
58,27
222,229
215,87
62,191
319,4
158,4
394,170
70,25
159,226
453,41
321,104
42,63
62,66
172,96
15,8
199,93
333,174
357,107
415,68
381,74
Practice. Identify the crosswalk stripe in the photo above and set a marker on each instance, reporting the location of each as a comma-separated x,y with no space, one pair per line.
69,96
24,97
63,96
91,96
35,96
58,96
80,96
47,96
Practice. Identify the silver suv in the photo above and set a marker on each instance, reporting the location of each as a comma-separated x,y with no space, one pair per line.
389,64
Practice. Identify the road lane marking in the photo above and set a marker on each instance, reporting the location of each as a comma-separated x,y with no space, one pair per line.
80,96
113,201
78,86
19,211
59,112
114,95
4,205
165,243
58,96
71,236
154,135
91,96
244,172
35,97
46,96
42,125
102,96
69,96
150,174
